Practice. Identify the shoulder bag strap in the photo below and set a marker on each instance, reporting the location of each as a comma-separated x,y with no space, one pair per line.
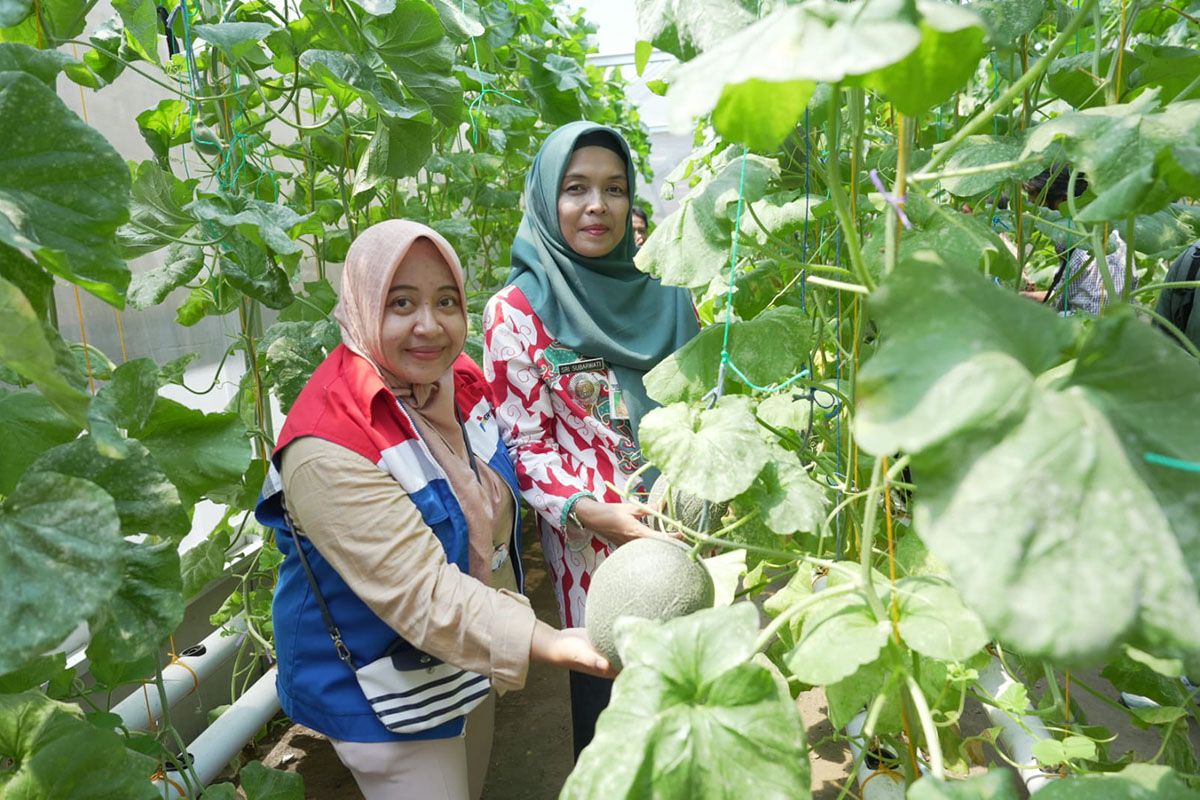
343,652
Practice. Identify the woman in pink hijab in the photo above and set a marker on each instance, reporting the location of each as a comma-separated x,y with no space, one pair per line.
398,610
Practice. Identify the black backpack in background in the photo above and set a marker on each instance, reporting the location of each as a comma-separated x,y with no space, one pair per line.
1178,305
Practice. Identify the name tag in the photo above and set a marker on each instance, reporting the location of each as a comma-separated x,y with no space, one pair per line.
586,365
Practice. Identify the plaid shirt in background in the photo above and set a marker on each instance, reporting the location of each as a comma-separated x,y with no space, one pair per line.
1085,286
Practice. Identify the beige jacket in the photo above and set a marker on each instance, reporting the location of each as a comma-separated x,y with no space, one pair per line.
373,535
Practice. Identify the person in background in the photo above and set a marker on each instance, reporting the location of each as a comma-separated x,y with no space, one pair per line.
1078,285
641,225
393,502
1177,304
566,345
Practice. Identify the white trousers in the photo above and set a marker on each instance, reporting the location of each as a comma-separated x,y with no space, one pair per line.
436,769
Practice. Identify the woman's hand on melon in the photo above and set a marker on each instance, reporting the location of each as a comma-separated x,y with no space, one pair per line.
568,648
616,523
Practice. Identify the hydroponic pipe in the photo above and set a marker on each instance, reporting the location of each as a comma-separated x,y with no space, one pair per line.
212,750
142,709
1016,736
873,783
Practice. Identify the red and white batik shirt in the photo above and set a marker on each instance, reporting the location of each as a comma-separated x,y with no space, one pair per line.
555,408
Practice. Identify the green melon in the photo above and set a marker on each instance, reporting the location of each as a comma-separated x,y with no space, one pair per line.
649,578
688,508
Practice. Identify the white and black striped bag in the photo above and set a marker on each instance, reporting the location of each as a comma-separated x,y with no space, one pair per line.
410,691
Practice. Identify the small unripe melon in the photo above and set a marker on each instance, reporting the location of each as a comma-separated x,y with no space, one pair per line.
649,578
688,508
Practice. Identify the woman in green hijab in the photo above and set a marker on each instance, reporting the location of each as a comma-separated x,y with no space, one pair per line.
567,344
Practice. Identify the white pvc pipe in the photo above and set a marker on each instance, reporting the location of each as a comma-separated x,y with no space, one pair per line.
1017,736
142,709
874,784
212,750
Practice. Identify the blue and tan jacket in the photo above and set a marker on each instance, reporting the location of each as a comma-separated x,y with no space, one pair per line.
346,403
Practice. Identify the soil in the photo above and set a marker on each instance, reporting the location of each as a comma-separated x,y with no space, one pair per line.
531,755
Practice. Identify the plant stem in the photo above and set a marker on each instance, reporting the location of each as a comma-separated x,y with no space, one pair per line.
834,181
868,535
978,121
936,764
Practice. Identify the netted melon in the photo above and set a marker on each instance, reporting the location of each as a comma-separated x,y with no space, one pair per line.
685,508
649,578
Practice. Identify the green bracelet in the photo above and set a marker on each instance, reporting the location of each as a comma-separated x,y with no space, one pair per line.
568,510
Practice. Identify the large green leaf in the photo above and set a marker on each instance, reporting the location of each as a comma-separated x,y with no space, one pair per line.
691,716
56,754
248,268
412,42
715,453
934,622
271,224
182,263
64,191
291,351
787,496
960,360
27,349
167,125
199,452
684,28
14,11
349,77
758,101
952,42
260,782
42,64
916,62
33,281
982,150
124,402
157,217
996,784
236,39
29,425
1171,68
58,21
692,246
141,26
399,148
1135,782
1074,80
1009,20
1137,157
146,501
461,19
98,67
839,636
145,610
960,240
203,563
1032,478
60,544
768,349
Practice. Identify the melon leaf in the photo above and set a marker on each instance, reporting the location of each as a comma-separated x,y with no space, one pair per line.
839,636
1034,468
996,784
689,713
60,542
714,453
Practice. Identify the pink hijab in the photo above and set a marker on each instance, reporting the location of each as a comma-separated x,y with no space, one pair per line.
370,267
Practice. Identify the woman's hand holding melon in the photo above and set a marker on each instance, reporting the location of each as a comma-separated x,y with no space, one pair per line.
568,648
616,523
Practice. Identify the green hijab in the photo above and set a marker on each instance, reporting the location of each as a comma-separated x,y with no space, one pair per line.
600,307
